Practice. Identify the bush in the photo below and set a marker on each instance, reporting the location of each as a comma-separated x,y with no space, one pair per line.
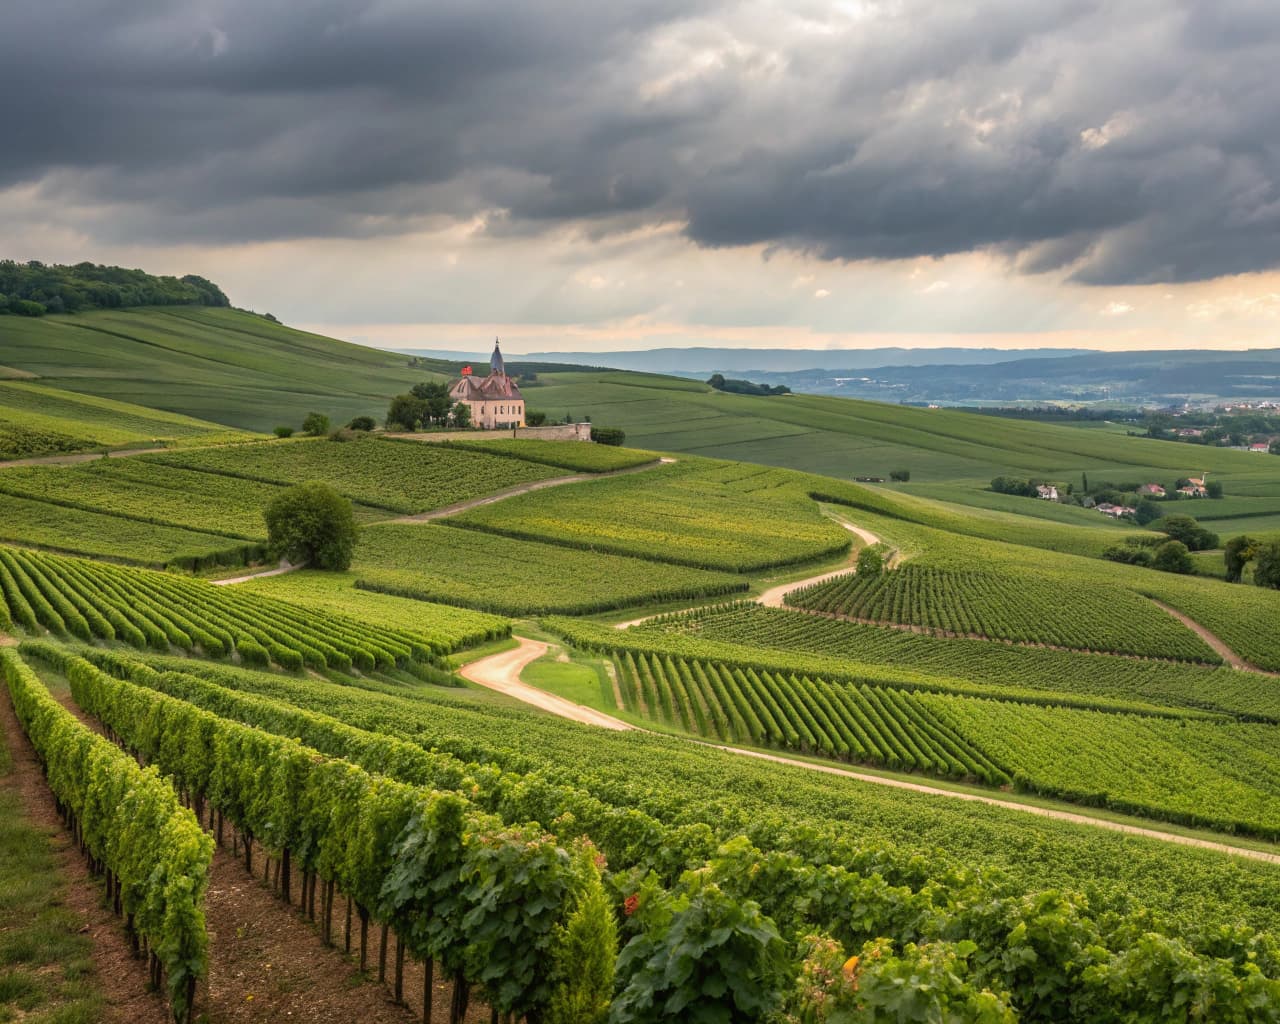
284,431
362,423
1172,556
870,561
25,307
313,524
535,419
608,435
900,475
315,424
1128,555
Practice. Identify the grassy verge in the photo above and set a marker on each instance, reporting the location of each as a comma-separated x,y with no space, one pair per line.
46,971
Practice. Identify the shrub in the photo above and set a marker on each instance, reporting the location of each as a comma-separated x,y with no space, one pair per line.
315,424
1172,556
900,475
284,431
362,423
608,435
25,307
535,419
870,561
313,524
1128,555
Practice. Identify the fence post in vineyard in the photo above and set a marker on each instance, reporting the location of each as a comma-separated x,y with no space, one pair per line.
382,956
428,978
364,937
461,999
286,881
346,935
399,986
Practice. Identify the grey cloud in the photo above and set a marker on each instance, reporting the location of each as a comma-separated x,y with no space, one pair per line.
1118,143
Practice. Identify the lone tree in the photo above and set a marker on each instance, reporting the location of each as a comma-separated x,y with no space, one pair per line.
1237,552
1266,566
312,524
315,424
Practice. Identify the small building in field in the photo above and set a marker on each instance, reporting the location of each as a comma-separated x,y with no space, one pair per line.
1047,491
1194,488
1151,491
495,401
1259,447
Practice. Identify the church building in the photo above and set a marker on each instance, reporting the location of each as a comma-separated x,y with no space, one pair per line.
495,401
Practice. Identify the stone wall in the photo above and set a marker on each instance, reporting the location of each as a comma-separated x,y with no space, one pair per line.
557,432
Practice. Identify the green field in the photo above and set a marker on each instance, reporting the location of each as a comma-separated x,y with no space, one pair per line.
396,476
1021,608
694,513
999,657
446,627
36,419
519,577
980,661
217,364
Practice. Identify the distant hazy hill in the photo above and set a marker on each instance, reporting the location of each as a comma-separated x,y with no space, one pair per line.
706,361
1093,376
955,375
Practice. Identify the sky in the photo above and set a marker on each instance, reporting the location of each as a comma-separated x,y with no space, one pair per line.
586,177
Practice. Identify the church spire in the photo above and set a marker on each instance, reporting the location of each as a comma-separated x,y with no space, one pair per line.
496,364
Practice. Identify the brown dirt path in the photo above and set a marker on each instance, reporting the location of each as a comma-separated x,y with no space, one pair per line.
72,458
501,672
1220,648
512,492
773,597
503,675
1044,812
279,570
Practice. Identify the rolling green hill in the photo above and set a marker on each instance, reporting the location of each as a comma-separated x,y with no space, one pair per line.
221,364
37,420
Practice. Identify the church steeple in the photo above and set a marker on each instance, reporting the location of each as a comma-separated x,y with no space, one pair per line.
496,364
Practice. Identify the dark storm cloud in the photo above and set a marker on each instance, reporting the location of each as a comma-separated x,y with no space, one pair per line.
1128,142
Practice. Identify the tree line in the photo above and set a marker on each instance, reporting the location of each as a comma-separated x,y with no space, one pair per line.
35,288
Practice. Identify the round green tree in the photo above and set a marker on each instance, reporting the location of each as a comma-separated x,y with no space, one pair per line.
313,524
1172,556
1266,566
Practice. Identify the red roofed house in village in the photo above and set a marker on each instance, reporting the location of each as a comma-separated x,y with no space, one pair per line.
495,401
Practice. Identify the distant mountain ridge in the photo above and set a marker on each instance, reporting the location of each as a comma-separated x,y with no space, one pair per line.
706,361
